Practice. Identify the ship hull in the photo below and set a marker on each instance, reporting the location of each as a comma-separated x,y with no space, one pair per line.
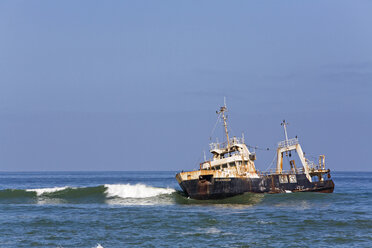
218,188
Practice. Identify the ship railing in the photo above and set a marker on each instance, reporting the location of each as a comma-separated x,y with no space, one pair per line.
214,146
286,143
313,165
284,172
232,141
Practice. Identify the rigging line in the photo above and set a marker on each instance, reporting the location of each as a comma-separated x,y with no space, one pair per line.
313,156
233,133
199,160
258,148
288,159
271,162
215,125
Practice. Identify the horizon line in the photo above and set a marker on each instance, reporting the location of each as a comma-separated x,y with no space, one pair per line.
141,171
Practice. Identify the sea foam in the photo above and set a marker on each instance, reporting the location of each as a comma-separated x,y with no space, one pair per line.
135,191
42,191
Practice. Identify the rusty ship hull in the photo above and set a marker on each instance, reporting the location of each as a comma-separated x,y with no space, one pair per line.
208,187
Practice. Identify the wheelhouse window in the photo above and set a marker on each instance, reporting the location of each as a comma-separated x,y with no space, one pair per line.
224,166
232,164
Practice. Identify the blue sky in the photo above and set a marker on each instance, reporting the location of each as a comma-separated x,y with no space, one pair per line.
134,85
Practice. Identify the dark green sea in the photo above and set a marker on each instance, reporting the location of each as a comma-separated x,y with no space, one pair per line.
145,209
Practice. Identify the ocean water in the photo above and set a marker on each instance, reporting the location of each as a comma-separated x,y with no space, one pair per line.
146,209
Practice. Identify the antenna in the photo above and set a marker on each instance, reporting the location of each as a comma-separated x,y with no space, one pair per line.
284,124
224,101
205,157
224,118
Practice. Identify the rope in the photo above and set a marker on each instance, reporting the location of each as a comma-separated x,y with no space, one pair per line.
214,128
271,162
258,148
197,162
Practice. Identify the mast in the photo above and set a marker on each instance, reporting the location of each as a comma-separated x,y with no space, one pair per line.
224,118
284,124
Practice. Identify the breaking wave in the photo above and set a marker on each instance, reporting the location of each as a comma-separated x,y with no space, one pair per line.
98,194
42,191
118,194
135,191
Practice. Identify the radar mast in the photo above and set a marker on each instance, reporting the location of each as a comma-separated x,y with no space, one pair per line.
224,118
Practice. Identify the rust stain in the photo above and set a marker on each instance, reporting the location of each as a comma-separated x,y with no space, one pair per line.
272,184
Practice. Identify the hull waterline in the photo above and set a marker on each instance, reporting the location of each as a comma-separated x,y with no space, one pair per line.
219,188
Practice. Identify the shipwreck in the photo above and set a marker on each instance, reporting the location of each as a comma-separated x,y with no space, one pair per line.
231,170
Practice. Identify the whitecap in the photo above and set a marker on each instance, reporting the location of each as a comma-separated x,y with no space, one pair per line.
41,191
135,191
212,230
